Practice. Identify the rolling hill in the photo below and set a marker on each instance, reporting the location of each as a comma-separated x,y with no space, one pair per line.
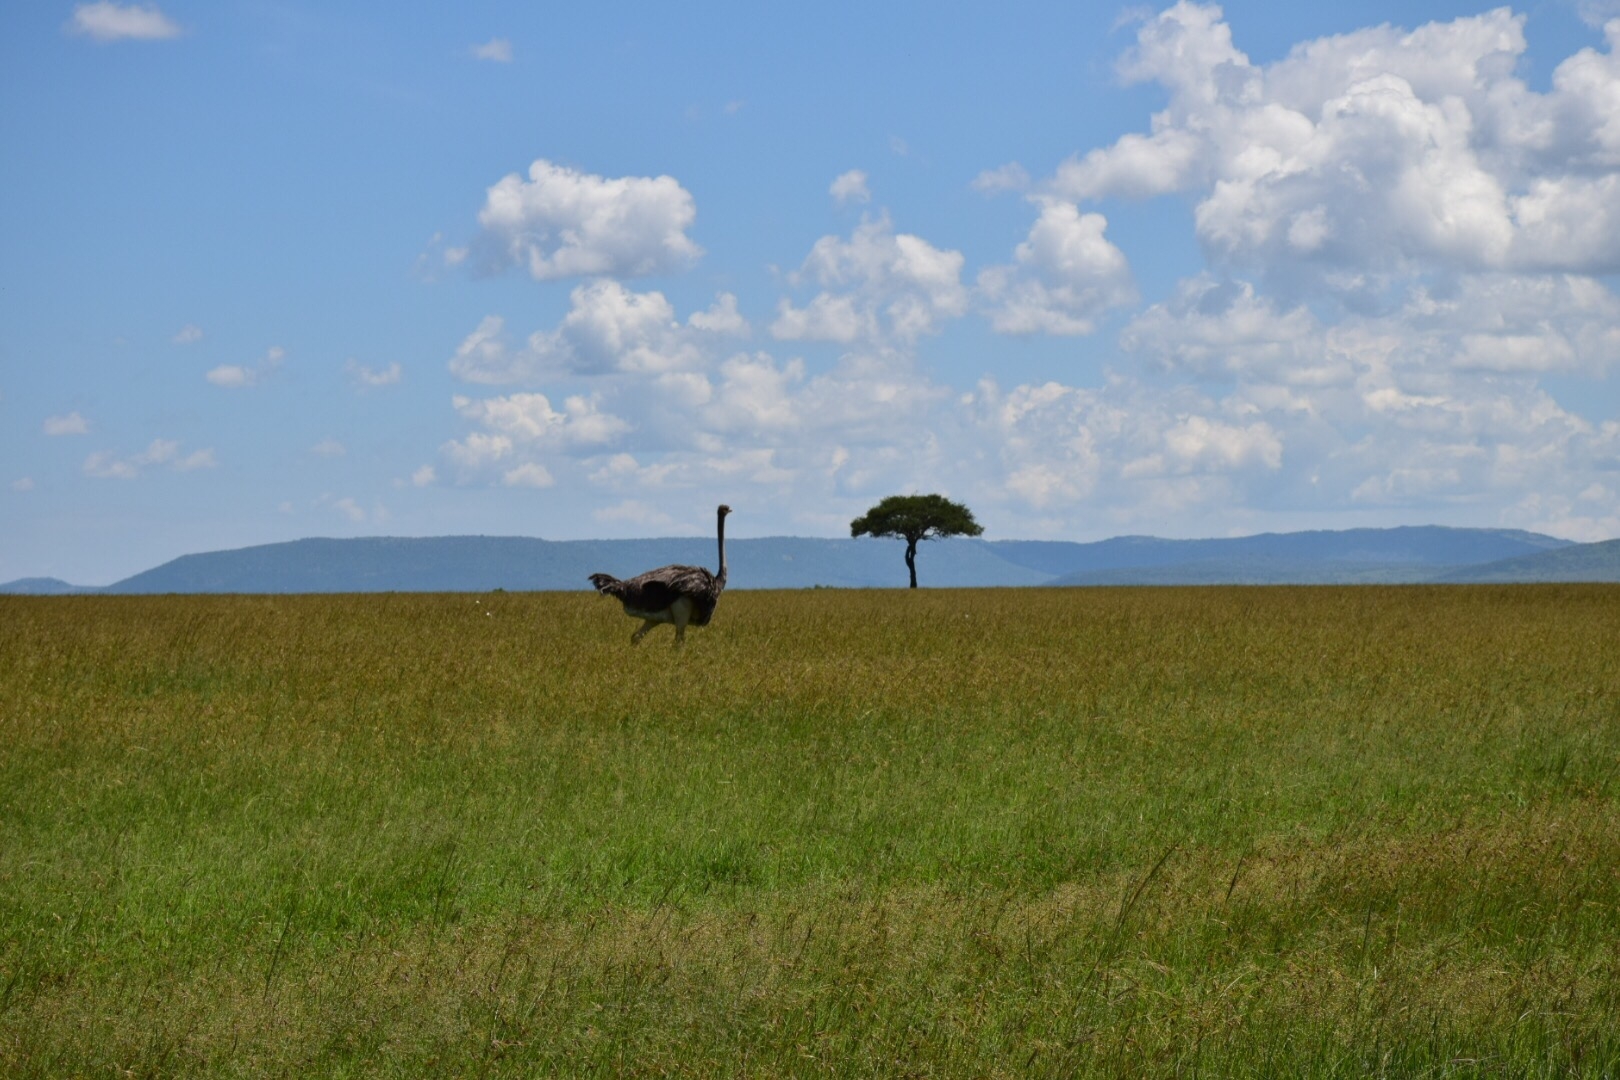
482,563
1352,556
479,563
1582,562
43,586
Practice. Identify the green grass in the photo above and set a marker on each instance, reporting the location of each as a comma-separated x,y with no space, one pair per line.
1225,832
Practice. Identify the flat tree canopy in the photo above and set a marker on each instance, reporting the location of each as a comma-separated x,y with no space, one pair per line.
915,518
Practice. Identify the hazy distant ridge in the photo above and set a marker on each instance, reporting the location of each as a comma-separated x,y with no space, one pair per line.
1580,562
481,563
42,586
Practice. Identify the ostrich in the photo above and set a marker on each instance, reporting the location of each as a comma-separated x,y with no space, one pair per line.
671,594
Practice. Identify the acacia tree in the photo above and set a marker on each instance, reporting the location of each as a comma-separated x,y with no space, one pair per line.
916,518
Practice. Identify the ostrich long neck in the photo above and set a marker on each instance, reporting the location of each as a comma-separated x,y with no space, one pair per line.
721,577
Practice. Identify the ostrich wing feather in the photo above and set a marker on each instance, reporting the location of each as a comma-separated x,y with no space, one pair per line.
657,590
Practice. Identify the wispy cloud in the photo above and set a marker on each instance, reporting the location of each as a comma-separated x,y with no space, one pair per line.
637,513
108,21
496,50
350,508
105,465
71,424
1009,177
188,334
364,376
235,376
1597,13
530,474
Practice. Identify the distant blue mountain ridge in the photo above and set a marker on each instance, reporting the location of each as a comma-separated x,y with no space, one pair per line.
43,586
1412,554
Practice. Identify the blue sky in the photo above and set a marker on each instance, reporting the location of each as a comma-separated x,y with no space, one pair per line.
277,269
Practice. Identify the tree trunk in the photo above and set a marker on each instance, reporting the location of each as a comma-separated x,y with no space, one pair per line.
911,560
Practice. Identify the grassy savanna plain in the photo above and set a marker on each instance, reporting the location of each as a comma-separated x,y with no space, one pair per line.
1225,832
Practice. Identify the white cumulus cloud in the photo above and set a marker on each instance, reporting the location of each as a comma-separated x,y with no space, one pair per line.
1402,241
561,223
530,418
514,432
1366,156
609,328
850,187
1066,273
877,284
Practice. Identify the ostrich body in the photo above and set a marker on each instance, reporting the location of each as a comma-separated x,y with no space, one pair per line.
682,595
